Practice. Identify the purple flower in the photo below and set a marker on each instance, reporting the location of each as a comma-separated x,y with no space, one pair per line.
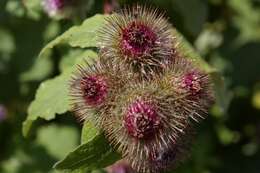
192,83
137,40
141,119
94,89
138,37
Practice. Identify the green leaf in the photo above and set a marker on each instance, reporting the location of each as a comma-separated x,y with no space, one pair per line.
82,36
55,139
37,72
52,97
89,131
75,56
92,155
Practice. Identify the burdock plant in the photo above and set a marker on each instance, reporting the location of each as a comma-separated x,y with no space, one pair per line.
142,91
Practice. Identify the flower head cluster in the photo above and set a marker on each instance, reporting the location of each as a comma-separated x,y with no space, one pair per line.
142,91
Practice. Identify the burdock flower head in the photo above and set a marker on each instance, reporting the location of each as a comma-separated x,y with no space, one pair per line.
92,88
142,121
193,87
59,8
138,37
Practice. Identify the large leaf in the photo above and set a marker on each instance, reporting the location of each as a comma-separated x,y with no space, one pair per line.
51,99
52,95
75,56
92,155
82,36
37,72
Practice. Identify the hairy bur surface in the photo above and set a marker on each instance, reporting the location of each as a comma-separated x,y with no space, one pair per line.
138,38
142,122
94,89
141,119
147,118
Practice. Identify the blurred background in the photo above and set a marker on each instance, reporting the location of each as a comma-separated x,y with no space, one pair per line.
226,33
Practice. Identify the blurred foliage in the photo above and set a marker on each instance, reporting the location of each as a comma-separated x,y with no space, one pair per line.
226,33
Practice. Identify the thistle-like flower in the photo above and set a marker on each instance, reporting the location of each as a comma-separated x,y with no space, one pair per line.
93,87
192,85
139,38
59,8
142,121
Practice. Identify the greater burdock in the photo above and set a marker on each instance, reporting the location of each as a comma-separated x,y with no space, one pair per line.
143,92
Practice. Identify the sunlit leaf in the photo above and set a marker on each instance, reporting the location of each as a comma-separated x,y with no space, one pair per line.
52,95
82,36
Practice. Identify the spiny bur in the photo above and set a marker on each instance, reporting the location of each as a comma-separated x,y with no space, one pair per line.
142,121
138,37
93,88
192,85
